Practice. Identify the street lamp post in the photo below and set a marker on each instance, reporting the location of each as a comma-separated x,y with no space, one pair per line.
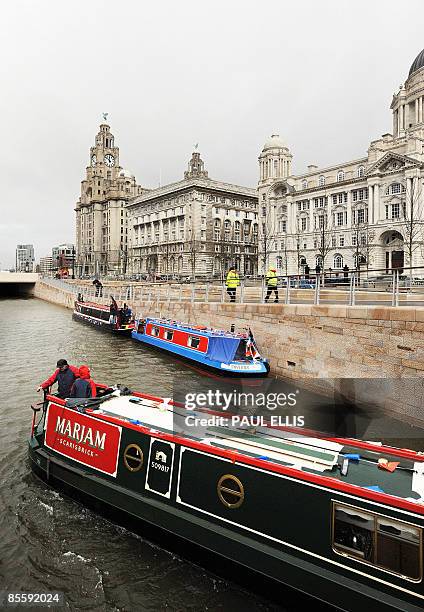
73,262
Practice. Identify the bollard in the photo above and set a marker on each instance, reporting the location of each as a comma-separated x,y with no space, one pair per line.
352,290
317,288
394,288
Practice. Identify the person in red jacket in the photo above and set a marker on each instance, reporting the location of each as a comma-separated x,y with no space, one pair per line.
65,376
84,386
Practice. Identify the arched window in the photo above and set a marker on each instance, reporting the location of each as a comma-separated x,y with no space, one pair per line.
302,261
340,175
321,181
338,261
361,171
318,261
395,188
304,184
227,224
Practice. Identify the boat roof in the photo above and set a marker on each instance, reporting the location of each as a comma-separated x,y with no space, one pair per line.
199,330
278,449
94,305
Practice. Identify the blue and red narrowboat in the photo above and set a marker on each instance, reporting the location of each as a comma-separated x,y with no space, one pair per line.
114,319
222,351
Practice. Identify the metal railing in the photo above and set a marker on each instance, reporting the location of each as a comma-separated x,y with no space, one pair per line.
392,287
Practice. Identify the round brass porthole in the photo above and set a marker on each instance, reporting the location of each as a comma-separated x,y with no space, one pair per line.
133,458
230,491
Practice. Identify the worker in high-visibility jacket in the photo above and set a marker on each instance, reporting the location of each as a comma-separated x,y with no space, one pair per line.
271,284
232,282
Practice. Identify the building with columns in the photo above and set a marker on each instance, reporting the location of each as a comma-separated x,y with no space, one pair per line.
367,212
101,215
194,227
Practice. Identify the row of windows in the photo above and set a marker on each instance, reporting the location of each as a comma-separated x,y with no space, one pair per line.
104,315
358,195
390,544
339,219
364,238
237,225
341,175
226,237
168,334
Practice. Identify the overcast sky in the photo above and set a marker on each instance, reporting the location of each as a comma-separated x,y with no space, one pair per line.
226,74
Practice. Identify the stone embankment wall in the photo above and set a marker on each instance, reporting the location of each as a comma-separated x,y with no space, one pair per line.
309,343
53,294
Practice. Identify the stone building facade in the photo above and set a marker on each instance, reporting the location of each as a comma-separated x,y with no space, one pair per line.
101,215
194,227
365,213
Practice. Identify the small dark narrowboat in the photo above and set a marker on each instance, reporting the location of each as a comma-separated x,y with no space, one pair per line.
339,519
117,320
217,350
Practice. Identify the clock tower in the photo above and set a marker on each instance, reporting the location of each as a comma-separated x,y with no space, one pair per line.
101,216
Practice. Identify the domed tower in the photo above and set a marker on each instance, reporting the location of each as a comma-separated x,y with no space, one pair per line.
407,104
274,192
274,161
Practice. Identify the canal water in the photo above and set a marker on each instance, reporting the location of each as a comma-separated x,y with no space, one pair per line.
52,543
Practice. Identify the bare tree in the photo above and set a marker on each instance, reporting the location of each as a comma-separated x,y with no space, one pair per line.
165,257
323,235
297,237
192,247
413,220
362,238
267,234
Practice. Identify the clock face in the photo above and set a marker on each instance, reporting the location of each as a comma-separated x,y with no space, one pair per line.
109,160
93,160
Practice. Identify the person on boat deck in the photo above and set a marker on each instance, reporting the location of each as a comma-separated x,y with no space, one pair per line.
84,386
126,313
232,282
114,310
271,284
64,375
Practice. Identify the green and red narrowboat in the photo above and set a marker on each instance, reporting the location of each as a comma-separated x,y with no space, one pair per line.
339,519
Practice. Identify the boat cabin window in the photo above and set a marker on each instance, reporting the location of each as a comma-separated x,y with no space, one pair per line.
384,542
155,331
194,341
168,334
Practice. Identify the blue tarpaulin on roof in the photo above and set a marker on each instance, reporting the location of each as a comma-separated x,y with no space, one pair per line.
223,349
